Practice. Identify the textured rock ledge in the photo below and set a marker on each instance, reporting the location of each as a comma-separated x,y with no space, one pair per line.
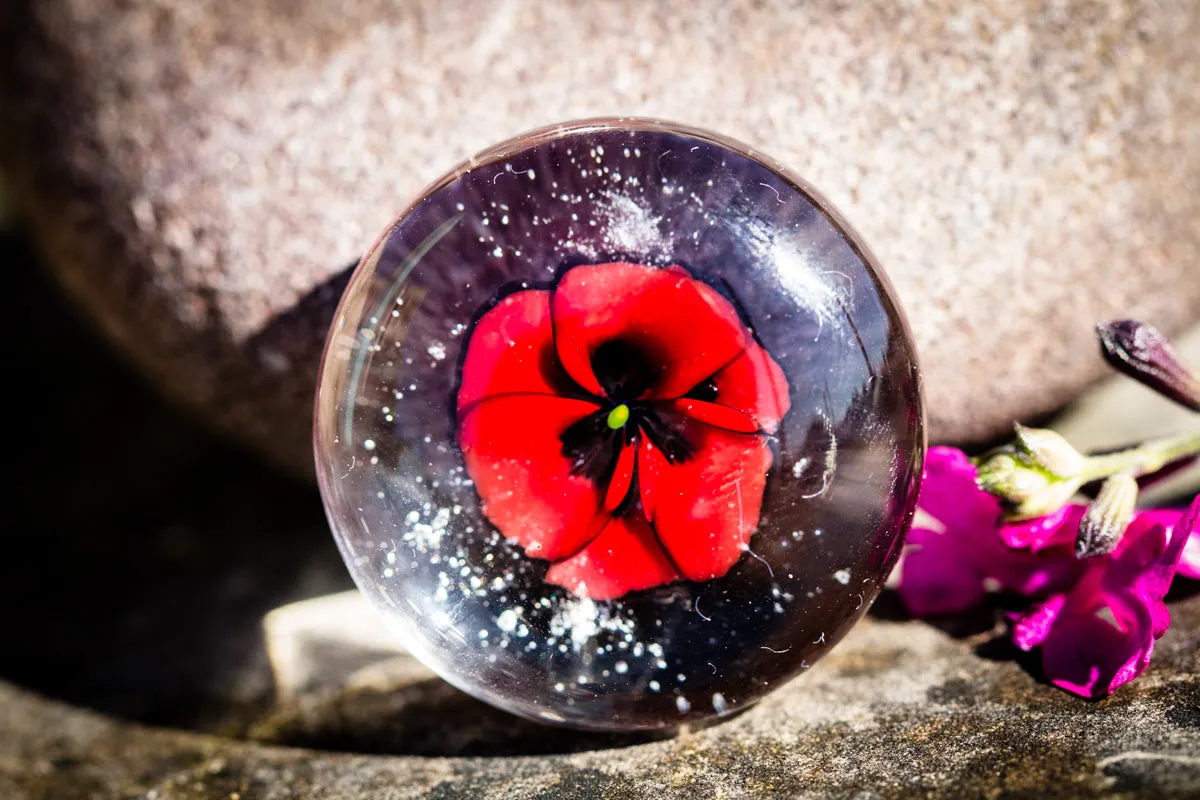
1020,175
900,709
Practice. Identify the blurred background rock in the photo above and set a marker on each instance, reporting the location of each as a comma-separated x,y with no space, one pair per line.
188,184
200,176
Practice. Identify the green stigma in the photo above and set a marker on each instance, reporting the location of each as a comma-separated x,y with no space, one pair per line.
618,417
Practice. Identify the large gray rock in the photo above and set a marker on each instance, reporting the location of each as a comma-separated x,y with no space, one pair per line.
200,175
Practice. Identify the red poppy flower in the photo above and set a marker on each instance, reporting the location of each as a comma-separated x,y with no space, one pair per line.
617,425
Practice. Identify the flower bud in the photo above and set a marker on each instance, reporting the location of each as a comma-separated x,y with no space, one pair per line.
1050,451
1056,495
1036,475
1006,475
1107,517
1141,352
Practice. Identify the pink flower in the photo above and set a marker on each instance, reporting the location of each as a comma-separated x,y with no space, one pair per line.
1100,633
958,548
1095,619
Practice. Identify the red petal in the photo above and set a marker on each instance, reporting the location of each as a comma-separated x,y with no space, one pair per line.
682,325
513,453
706,508
650,462
622,477
715,414
625,557
755,385
511,350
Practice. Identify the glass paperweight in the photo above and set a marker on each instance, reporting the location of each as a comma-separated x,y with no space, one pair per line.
620,426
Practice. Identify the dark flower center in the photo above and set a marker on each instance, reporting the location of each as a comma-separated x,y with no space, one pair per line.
623,370
593,444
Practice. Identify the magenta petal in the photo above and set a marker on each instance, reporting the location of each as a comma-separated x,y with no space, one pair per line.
1052,530
1188,529
1037,574
1091,654
1173,519
1032,627
1167,517
1144,562
936,576
950,495
1104,633
1189,561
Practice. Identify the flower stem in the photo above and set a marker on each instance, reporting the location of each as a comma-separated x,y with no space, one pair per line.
1144,459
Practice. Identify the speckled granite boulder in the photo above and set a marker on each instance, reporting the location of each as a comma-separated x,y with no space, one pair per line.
201,174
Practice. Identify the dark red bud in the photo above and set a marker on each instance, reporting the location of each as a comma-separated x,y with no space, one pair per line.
1141,352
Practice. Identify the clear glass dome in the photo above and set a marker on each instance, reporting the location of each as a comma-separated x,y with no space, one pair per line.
619,425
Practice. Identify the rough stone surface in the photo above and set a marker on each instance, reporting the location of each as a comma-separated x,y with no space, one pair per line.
200,175
898,710
144,563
